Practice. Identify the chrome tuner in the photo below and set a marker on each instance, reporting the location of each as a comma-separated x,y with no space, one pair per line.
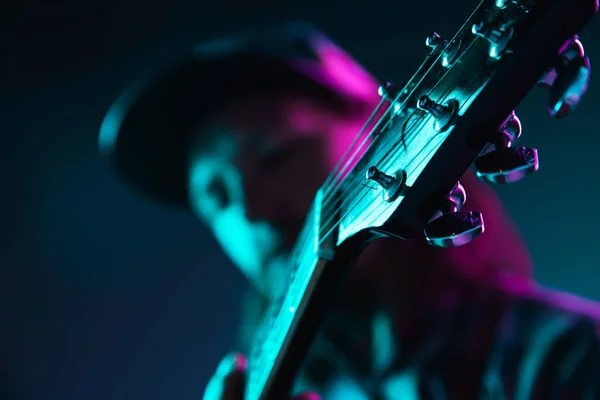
451,228
444,115
388,91
434,40
439,44
501,163
568,80
498,37
502,4
393,186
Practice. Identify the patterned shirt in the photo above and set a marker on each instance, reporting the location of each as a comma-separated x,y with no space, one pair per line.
518,342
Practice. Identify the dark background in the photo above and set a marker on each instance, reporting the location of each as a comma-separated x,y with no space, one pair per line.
107,296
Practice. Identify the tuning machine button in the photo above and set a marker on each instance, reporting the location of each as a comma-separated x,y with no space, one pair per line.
501,163
444,115
392,186
450,227
498,37
568,80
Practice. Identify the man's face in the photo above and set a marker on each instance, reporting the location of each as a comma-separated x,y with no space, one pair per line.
254,171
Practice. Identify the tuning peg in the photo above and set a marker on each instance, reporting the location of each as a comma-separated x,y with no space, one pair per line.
392,93
438,44
568,80
391,185
443,115
499,37
501,163
388,90
519,4
434,40
450,228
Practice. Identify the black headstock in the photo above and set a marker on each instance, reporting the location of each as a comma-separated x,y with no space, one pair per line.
457,110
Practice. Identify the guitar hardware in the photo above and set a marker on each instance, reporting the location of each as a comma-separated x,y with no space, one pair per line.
501,163
450,228
393,185
443,115
567,80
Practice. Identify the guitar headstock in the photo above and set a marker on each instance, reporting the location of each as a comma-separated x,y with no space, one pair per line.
400,178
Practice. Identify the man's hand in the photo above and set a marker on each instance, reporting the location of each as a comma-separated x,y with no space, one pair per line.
229,381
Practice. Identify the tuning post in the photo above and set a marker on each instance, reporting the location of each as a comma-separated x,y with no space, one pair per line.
388,91
523,5
501,163
451,228
434,40
498,37
437,44
443,115
568,80
392,186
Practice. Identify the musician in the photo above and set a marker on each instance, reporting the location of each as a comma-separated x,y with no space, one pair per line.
244,132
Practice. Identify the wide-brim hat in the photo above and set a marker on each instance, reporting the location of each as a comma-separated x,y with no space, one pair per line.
147,130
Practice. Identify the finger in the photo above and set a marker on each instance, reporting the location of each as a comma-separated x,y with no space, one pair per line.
235,381
307,396
230,372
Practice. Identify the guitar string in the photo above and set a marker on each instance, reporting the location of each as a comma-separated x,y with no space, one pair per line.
358,186
357,182
279,303
337,172
389,205
331,187
359,192
308,226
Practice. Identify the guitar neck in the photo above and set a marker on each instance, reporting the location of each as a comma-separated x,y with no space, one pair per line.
298,306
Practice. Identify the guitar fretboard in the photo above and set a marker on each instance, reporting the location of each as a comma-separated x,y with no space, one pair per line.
284,307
